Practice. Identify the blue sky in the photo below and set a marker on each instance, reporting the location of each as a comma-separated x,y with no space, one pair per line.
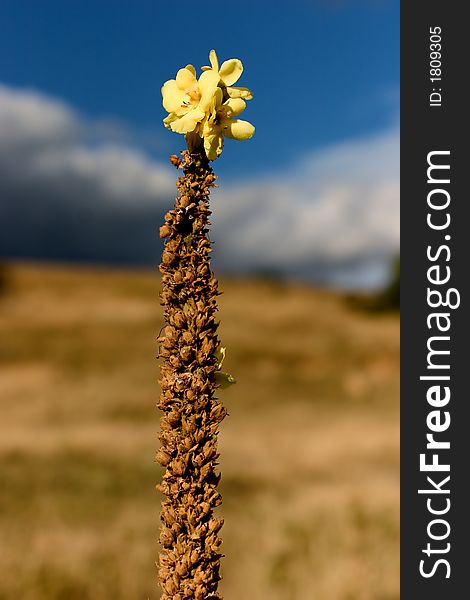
82,140
321,71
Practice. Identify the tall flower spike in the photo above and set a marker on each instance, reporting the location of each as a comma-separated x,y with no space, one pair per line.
198,107
206,111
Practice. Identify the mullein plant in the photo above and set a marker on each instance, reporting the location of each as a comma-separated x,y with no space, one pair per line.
205,110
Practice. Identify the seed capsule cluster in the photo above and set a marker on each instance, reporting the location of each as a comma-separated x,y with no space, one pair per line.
190,557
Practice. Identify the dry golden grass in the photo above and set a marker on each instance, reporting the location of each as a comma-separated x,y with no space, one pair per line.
309,452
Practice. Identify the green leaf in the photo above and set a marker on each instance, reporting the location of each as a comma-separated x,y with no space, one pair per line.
224,380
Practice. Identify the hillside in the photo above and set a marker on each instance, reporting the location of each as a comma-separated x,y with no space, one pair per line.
310,450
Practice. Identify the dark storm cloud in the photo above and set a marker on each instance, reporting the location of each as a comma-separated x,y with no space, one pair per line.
333,217
61,199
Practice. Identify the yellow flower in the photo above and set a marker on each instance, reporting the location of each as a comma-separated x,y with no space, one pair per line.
203,109
229,73
220,123
187,99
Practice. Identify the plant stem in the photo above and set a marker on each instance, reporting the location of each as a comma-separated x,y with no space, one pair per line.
189,561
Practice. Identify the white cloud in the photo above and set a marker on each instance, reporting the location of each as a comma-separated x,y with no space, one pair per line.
118,173
334,215
337,209
29,117
44,141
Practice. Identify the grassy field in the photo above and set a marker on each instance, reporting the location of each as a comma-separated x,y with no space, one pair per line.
310,451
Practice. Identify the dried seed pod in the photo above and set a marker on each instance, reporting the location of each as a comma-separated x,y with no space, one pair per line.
178,319
174,418
164,231
166,296
198,460
172,246
178,277
187,337
179,385
175,361
215,525
170,587
171,333
163,457
200,593
207,346
188,444
182,569
175,160
168,258
179,466
168,514
166,536
186,353
190,426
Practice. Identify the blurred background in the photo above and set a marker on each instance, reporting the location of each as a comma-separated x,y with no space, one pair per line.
306,242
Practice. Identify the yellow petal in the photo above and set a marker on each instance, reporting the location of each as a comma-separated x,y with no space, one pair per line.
185,79
187,122
207,87
188,105
214,60
207,128
213,145
217,100
192,69
205,68
169,119
238,129
173,96
239,92
234,106
230,71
